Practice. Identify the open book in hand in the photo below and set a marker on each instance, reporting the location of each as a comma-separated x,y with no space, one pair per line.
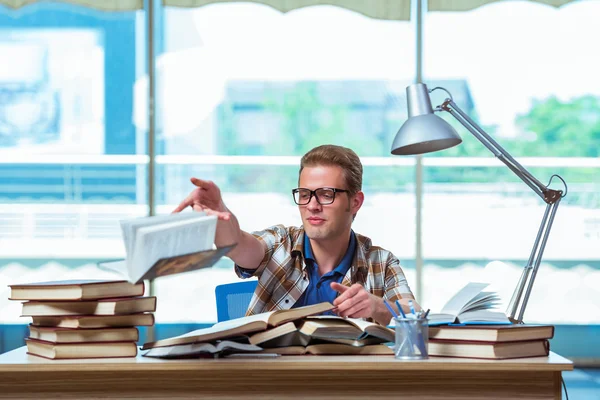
471,305
167,244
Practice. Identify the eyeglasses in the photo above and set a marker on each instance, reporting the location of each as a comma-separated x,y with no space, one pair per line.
324,196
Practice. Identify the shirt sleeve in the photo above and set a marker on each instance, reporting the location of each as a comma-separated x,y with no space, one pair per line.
271,238
396,285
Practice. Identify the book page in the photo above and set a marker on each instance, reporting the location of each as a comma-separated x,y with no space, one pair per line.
283,316
170,239
336,319
237,322
129,227
235,327
483,301
225,345
482,316
456,304
440,319
182,350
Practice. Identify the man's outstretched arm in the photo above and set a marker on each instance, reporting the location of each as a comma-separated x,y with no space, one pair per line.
249,252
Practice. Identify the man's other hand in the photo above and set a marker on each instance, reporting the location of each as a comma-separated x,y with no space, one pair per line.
353,301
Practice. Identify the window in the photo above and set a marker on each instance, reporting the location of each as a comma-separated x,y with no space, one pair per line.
68,165
536,92
248,81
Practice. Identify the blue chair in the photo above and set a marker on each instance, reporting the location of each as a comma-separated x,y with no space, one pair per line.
233,299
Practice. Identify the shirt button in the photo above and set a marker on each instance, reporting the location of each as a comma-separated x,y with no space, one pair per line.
287,300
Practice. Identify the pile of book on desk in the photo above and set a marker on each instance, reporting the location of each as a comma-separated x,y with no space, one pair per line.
469,326
286,332
490,341
84,318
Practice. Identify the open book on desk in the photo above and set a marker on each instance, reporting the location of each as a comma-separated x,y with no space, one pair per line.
313,330
194,350
331,349
333,327
471,305
242,326
167,244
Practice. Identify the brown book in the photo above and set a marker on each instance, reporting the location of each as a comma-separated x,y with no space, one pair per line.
97,307
288,335
488,350
332,327
57,351
493,333
94,321
70,335
279,336
332,349
75,290
242,326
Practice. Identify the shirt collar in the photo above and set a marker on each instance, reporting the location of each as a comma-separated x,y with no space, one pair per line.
346,262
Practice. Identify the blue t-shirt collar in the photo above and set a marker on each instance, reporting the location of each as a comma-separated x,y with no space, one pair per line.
346,262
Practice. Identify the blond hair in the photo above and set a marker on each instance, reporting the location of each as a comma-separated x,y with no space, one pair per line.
342,157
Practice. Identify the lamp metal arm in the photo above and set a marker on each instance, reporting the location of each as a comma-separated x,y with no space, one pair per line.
550,196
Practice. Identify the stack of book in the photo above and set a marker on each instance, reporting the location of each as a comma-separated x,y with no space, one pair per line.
84,318
287,332
469,326
490,341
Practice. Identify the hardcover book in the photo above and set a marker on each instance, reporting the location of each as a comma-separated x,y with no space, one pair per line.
125,305
167,244
56,351
492,333
75,290
242,326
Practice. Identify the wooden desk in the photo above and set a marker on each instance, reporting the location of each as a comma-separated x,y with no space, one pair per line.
315,377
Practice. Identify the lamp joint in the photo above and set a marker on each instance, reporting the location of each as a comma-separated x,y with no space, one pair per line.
551,196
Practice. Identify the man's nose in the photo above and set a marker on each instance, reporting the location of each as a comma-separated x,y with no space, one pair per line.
313,204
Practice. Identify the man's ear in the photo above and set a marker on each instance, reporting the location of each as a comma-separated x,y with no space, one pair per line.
357,202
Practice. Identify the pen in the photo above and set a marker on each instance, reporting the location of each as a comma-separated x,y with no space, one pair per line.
400,309
390,308
412,308
426,313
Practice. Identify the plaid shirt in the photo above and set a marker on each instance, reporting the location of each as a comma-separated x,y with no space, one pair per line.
283,274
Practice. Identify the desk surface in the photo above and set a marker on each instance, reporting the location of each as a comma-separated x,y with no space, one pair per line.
285,377
19,360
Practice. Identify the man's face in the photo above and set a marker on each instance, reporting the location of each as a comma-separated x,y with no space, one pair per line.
330,221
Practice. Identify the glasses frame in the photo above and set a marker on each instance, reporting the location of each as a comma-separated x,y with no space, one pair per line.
314,193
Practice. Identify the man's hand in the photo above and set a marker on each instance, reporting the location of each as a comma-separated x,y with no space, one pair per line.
354,301
206,197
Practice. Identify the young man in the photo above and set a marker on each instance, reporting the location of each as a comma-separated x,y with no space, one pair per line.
324,260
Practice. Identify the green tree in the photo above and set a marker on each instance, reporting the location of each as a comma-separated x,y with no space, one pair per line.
561,129
307,120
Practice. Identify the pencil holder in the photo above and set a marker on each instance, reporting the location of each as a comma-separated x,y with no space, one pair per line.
412,337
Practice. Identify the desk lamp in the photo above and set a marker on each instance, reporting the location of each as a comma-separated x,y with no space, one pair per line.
425,132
